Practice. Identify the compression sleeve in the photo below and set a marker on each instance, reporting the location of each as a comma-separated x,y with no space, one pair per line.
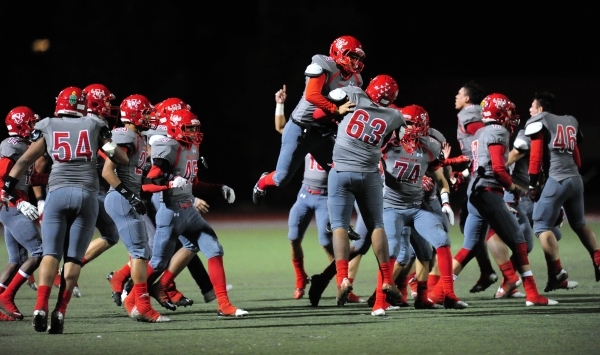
498,164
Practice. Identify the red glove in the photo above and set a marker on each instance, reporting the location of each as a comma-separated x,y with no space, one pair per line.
457,179
456,160
427,183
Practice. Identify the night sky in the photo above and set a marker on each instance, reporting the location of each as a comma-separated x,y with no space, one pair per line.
228,60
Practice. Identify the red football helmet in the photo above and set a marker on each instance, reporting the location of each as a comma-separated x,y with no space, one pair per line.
136,109
417,122
98,99
383,90
348,54
164,109
20,121
71,101
498,108
184,126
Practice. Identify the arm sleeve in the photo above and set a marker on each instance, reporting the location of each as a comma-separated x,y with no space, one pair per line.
498,164
577,157
314,96
5,165
472,127
205,188
536,154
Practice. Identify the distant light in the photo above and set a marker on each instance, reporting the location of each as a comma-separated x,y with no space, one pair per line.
40,45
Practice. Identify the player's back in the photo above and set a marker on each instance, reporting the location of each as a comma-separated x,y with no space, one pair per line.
72,144
466,116
563,132
361,133
304,110
482,161
131,174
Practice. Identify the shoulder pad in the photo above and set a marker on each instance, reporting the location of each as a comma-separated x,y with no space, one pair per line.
35,135
338,95
313,70
437,135
533,128
520,144
154,138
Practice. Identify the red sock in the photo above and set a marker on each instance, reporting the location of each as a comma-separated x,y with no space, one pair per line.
432,280
142,299
530,286
266,181
342,270
464,256
508,271
63,300
14,285
386,271
380,301
84,261
596,257
445,264
42,298
167,278
300,273
119,277
216,272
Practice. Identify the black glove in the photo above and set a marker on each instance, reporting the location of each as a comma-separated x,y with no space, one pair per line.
534,193
134,200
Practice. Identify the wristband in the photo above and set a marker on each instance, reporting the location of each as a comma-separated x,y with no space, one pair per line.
279,110
445,198
109,148
9,183
123,190
533,179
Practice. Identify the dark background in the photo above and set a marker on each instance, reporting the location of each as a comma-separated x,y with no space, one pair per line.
227,60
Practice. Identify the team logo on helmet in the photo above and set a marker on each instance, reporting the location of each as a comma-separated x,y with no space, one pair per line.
17,117
97,93
175,119
133,103
73,98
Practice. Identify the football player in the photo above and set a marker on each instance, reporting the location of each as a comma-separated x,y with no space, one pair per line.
72,140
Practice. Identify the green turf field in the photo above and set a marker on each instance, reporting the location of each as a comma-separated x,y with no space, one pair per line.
258,265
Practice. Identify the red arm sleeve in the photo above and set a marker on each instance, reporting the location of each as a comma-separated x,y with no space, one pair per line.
204,188
498,165
577,156
154,172
536,154
6,165
314,96
472,127
102,154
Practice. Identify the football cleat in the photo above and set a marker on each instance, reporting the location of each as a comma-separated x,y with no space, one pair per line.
597,272
453,302
232,312
116,296
5,318
426,304
353,298
57,323
318,284
559,282
378,312
392,293
258,195
40,320
9,307
485,281
76,292
31,283
150,316
343,289
159,292
539,300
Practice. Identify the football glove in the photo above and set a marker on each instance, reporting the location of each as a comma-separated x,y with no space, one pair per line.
228,193
134,200
29,210
427,183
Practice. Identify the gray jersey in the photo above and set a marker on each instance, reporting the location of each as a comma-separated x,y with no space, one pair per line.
467,115
432,195
304,110
131,174
72,144
360,134
183,162
520,169
562,140
404,173
314,175
486,136
13,148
